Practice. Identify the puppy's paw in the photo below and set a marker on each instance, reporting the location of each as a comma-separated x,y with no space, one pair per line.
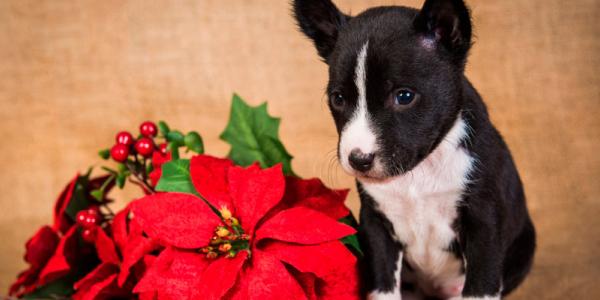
384,296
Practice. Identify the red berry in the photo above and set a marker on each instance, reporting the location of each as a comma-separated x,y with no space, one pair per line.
93,210
88,218
119,152
89,234
144,146
91,221
81,217
93,217
148,129
124,138
162,148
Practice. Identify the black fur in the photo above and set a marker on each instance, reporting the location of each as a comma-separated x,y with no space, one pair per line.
425,51
377,244
321,21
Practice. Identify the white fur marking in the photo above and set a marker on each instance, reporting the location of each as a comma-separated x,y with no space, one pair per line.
422,206
395,294
358,133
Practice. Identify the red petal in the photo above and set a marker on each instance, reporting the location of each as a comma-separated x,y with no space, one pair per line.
304,226
158,159
155,176
148,296
342,285
312,193
220,276
104,289
134,228
313,258
308,281
41,247
140,269
135,250
266,278
24,283
339,276
119,228
101,272
177,219
209,175
174,274
255,192
61,221
160,266
58,265
106,248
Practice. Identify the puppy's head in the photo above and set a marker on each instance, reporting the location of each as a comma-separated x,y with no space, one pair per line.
395,78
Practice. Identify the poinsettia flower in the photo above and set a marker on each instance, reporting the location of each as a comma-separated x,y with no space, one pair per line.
283,241
117,274
66,254
39,249
54,250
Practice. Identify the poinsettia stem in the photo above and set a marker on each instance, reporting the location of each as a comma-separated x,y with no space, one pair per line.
110,212
144,173
107,182
139,179
143,185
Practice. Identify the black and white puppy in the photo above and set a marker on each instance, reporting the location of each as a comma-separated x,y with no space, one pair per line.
443,213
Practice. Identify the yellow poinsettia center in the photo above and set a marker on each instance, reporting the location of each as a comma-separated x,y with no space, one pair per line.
228,240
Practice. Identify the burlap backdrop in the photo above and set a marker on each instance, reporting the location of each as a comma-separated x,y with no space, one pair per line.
73,73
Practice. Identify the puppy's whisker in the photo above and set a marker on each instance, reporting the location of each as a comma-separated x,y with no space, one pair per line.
331,171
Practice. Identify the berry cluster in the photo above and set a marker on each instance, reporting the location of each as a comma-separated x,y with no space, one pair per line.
89,220
126,145
136,156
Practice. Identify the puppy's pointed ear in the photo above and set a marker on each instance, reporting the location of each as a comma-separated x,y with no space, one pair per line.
321,21
446,23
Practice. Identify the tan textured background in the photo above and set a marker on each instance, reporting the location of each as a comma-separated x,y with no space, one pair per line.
73,73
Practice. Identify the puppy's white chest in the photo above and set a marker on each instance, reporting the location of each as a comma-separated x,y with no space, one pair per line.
422,206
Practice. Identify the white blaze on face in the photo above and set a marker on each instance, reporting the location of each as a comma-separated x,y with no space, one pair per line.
358,133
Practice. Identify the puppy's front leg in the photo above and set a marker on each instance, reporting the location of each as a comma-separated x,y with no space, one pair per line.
483,254
382,261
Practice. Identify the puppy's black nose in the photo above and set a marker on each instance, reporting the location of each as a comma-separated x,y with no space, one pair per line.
360,161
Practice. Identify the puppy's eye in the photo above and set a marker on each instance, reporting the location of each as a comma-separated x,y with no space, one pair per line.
404,97
337,100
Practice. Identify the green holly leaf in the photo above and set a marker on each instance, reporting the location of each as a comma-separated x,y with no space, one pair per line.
176,177
194,142
104,154
176,137
254,137
121,180
351,241
163,128
97,194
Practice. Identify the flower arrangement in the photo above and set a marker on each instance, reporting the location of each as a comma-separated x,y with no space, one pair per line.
241,227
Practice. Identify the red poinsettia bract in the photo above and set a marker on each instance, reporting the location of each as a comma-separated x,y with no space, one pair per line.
262,245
